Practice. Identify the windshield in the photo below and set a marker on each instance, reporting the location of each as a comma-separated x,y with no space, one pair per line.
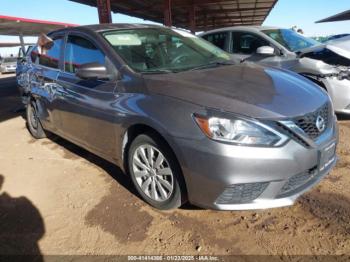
290,39
163,50
10,60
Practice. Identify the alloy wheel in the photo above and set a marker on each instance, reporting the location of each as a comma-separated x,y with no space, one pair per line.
153,173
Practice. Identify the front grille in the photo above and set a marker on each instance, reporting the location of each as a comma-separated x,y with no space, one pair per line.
297,182
308,122
241,193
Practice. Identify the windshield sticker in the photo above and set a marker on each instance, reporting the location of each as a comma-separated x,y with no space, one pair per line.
124,40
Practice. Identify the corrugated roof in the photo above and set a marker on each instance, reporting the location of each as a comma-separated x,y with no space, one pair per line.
10,25
14,44
338,17
210,14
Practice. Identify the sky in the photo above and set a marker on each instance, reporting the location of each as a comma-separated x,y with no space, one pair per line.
304,14
287,13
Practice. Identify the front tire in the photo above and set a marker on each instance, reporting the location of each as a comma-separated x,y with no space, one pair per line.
33,122
156,173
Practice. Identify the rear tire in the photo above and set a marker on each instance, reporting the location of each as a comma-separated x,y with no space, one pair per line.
33,122
155,173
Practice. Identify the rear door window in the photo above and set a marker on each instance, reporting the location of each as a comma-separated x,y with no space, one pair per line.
247,43
50,58
79,51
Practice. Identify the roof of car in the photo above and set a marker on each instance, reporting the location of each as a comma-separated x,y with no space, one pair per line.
107,27
104,27
246,28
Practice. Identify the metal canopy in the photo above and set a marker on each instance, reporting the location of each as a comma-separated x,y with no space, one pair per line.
13,44
207,14
27,27
338,17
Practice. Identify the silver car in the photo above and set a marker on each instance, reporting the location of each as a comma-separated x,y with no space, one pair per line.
8,65
182,120
328,64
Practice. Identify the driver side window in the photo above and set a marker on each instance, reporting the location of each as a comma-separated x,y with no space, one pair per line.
247,43
81,51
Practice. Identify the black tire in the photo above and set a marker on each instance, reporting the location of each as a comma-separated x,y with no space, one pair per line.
178,195
33,122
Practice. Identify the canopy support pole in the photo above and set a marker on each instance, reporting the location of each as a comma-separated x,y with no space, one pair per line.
167,13
192,18
21,39
104,11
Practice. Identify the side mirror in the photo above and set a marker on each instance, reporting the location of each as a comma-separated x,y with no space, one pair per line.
92,71
45,43
265,50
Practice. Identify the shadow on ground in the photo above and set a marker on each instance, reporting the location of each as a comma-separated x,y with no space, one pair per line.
21,226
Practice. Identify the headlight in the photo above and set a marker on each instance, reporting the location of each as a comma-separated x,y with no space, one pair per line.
239,131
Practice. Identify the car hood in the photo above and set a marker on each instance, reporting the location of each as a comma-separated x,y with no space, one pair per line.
248,89
339,46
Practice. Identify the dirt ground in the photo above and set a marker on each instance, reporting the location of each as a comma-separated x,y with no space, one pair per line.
56,198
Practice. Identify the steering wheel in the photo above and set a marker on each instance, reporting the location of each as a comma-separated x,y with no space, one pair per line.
180,58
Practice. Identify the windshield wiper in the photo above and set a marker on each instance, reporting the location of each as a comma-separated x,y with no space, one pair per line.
209,65
213,64
158,71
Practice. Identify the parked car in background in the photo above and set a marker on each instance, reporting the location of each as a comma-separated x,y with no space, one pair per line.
8,65
328,65
183,120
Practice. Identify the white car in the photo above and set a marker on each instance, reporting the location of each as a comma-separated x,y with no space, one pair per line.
327,64
8,65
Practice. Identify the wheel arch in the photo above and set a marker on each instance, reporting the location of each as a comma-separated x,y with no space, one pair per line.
138,129
36,99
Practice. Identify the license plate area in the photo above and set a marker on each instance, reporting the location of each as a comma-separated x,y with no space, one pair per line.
327,156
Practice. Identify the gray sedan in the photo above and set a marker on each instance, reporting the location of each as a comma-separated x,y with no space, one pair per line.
328,65
181,119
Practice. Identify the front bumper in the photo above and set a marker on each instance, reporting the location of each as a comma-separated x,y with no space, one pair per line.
215,172
8,70
268,198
